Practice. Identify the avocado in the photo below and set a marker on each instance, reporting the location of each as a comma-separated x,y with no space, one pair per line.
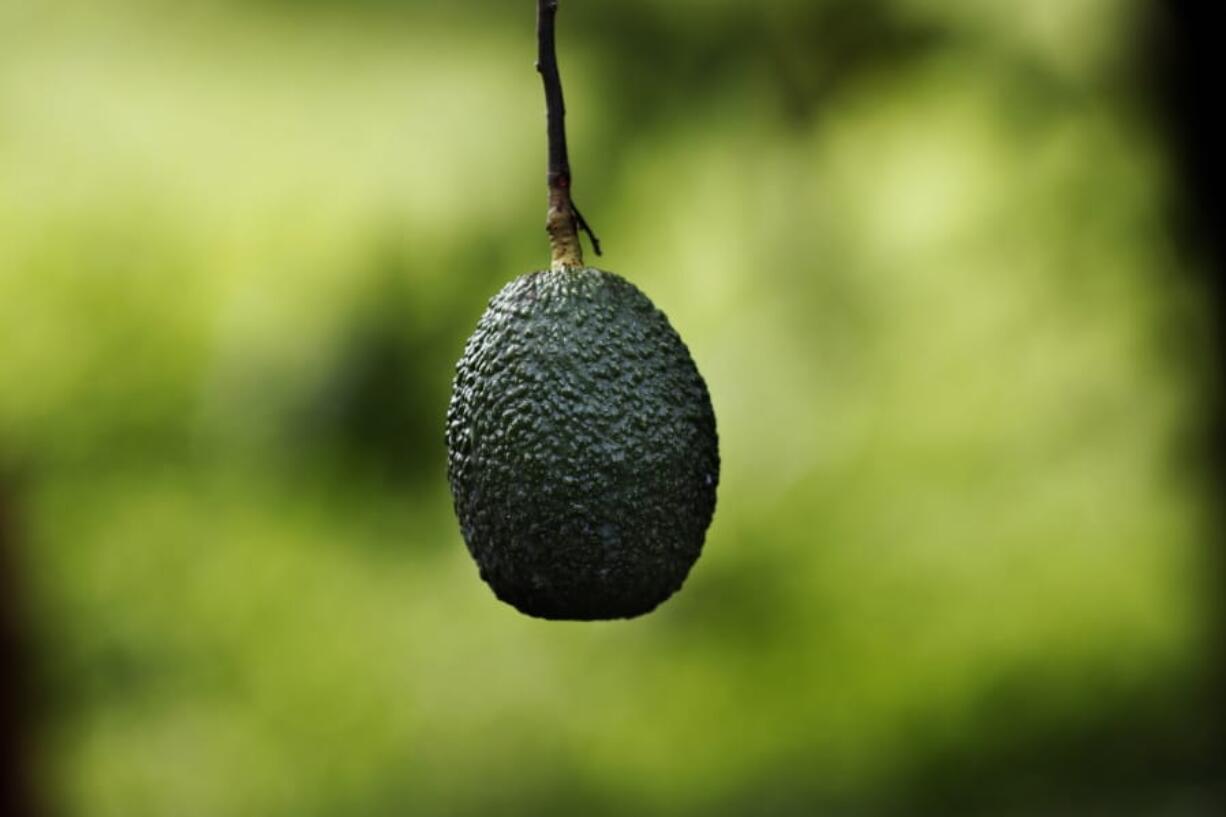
582,451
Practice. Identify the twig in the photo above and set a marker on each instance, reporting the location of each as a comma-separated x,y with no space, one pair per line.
583,225
563,221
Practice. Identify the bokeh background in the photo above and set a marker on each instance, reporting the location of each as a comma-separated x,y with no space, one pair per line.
922,251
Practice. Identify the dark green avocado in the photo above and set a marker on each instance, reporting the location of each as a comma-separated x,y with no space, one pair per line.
583,457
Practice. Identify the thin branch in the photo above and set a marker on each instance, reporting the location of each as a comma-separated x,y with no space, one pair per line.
563,221
583,225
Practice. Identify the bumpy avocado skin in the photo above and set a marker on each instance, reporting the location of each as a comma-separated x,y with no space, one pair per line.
583,456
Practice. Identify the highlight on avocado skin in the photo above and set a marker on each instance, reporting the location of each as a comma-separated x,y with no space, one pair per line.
583,455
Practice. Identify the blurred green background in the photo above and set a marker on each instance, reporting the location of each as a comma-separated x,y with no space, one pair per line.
920,250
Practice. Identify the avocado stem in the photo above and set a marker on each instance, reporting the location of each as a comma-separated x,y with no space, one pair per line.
563,220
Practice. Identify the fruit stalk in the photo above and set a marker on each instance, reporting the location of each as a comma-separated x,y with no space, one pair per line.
563,220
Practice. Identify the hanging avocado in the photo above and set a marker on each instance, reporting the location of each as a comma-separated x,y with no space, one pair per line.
583,457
